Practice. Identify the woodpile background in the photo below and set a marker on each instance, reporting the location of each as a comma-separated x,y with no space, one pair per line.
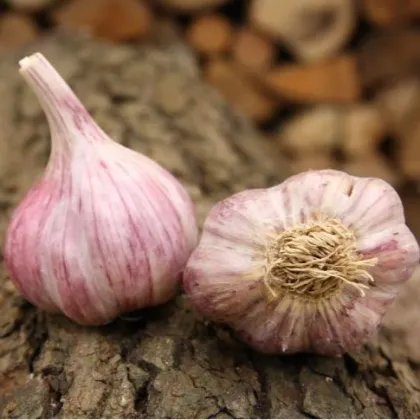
332,83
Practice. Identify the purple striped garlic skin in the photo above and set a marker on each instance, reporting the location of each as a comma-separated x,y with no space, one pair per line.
310,265
106,230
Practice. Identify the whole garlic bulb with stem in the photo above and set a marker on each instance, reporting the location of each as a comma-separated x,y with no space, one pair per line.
310,265
106,230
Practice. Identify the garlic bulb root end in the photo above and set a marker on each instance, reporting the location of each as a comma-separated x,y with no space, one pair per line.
314,261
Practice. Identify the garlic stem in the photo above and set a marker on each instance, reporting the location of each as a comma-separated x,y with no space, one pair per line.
66,115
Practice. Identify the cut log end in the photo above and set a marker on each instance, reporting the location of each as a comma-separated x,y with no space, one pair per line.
363,129
254,51
210,34
191,6
29,5
400,105
312,30
312,162
312,132
333,80
112,20
388,13
16,30
375,166
245,96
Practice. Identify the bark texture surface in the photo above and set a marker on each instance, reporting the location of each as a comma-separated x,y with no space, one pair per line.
171,363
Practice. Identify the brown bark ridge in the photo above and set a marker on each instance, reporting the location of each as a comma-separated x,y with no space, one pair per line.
170,363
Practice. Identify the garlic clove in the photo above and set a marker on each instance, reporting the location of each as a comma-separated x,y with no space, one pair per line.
395,249
228,251
278,321
239,210
106,230
381,297
312,327
315,272
232,285
366,205
375,206
307,193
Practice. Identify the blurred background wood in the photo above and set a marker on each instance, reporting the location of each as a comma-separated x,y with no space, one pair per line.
311,29
272,60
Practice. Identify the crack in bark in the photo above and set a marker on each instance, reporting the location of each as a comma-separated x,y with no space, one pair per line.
37,338
263,406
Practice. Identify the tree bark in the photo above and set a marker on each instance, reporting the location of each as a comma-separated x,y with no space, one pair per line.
170,362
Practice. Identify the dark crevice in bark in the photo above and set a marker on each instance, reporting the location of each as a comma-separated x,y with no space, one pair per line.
262,409
350,365
37,337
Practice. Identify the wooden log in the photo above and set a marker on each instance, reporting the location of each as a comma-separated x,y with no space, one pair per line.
112,20
414,8
363,128
311,29
333,80
312,162
16,30
171,363
253,51
313,131
192,6
397,102
404,315
409,154
411,198
375,166
386,13
210,34
401,107
388,57
29,5
241,90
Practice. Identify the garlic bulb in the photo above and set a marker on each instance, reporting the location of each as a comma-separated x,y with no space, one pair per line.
310,265
106,230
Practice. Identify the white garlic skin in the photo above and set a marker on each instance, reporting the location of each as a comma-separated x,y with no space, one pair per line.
106,230
224,275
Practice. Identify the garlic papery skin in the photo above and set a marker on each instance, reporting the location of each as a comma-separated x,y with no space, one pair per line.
105,230
310,265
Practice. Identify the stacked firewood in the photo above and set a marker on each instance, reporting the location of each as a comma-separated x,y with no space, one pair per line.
334,83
